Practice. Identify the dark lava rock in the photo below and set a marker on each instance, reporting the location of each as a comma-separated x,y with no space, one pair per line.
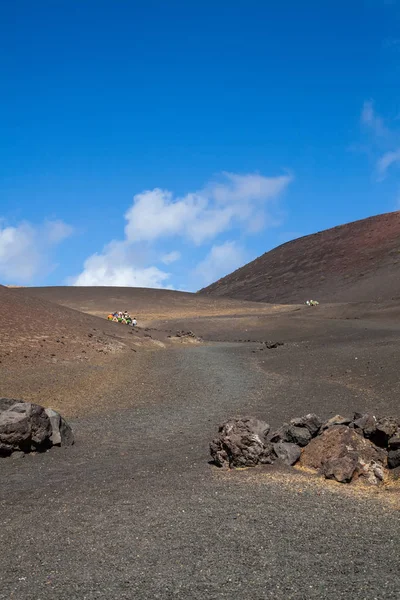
26,427
394,459
292,435
299,435
242,443
342,469
61,434
386,427
287,452
394,442
340,453
336,420
6,403
280,435
366,423
311,421
15,432
271,345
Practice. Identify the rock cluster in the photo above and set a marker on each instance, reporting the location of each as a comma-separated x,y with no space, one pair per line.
27,427
342,448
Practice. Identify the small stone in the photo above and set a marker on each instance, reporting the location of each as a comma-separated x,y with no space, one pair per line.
367,424
311,421
299,435
336,420
394,442
292,435
394,459
272,345
18,454
386,428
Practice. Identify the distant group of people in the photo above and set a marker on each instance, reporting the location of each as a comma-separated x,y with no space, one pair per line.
122,317
312,302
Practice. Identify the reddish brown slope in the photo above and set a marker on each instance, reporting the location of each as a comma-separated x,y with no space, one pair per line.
359,261
33,331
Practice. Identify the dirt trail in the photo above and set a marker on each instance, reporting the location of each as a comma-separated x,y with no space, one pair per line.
134,510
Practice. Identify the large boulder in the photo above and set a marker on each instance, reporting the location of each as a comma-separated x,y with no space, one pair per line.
242,443
342,454
24,426
27,427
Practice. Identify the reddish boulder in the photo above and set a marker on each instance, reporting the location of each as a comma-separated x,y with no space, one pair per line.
342,454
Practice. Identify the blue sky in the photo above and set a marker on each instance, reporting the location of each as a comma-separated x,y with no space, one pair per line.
163,143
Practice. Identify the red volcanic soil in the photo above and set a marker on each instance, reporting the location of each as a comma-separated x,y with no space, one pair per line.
355,262
32,329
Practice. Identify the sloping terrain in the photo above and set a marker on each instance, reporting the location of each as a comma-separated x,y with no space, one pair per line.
144,303
138,510
33,329
356,262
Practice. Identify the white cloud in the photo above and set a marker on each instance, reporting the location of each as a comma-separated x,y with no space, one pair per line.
220,261
387,160
201,216
372,120
57,231
115,266
384,143
197,217
25,249
171,257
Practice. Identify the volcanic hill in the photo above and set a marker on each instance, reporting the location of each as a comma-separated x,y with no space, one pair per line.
356,262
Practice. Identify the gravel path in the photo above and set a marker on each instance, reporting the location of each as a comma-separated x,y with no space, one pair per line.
134,510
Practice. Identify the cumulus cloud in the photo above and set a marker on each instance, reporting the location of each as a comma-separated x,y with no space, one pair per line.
115,266
57,231
25,249
202,215
242,201
220,261
171,257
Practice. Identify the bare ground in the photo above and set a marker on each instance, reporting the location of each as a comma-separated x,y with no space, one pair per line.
134,510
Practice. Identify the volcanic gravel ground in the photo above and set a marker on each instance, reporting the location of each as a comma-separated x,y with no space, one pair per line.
134,510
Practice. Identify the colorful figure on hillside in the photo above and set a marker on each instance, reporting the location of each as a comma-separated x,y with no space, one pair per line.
122,317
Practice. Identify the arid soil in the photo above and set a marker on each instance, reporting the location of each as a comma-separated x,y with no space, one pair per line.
134,510
358,261
146,304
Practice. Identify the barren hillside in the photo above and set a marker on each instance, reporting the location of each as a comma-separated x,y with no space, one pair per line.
33,330
359,261
145,303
